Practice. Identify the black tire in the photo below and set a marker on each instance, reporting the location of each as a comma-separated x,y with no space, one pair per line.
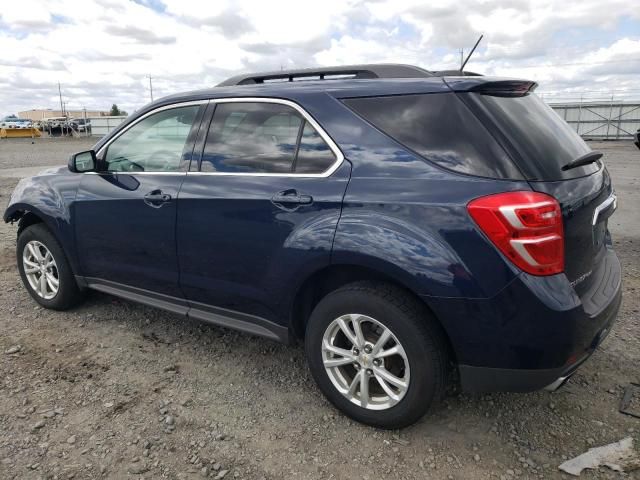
68,293
414,327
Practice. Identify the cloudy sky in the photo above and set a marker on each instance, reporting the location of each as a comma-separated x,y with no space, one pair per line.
103,51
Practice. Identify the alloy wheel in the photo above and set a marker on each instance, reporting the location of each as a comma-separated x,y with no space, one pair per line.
365,362
41,269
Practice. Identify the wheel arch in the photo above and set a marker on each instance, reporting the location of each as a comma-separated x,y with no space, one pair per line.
27,215
26,219
329,278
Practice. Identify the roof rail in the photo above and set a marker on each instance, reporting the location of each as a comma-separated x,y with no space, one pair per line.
381,70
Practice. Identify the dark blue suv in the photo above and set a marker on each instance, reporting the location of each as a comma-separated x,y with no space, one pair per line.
413,227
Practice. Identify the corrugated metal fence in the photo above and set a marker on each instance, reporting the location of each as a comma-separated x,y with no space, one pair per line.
601,120
100,126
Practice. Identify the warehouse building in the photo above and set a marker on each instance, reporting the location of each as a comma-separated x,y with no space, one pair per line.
39,114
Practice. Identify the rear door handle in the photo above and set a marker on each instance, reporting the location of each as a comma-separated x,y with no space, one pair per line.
291,197
156,198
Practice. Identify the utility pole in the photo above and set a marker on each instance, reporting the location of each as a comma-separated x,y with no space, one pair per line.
61,106
461,58
150,88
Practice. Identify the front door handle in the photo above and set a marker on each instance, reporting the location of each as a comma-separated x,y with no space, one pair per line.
156,198
291,197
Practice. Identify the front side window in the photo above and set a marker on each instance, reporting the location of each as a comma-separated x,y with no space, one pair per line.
261,137
155,144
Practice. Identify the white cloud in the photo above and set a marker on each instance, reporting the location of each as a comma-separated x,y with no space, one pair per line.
102,50
25,14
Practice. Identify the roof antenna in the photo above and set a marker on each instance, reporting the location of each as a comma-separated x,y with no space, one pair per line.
469,56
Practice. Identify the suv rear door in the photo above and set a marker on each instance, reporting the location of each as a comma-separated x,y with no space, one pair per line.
258,210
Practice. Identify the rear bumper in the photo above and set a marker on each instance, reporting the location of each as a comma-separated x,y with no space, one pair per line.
486,379
531,334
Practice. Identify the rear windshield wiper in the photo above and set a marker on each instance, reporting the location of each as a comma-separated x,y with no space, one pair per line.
585,159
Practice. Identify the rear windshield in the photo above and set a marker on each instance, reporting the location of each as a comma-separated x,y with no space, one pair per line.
440,128
542,141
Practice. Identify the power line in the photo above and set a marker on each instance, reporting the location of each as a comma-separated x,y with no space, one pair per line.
574,63
600,91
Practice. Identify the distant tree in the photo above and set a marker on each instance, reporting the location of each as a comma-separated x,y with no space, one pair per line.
115,111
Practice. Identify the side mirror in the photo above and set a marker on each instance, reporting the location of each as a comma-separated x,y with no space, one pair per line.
83,162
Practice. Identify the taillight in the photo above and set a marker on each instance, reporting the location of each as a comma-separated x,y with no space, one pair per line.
525,226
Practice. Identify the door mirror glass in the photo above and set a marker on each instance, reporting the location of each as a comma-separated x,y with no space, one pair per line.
83,162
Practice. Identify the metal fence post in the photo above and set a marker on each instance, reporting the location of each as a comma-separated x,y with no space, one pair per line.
619,120
609,117
578,125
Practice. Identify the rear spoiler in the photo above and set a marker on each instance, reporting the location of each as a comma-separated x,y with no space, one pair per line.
496,88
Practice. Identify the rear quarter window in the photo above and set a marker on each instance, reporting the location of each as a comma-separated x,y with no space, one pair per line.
440,128
541,141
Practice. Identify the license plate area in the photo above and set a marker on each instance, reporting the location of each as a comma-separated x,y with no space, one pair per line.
599,233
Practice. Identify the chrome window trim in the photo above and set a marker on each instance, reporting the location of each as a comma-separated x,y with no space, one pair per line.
173,172
305,115
603,206
328,140
151,112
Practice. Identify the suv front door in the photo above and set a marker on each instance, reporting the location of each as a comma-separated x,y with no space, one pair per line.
125,214
259,211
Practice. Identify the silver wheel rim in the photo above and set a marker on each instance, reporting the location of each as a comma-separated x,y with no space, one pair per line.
41,270
365,362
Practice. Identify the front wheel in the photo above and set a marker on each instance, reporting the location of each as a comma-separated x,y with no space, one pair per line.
45,270
377,354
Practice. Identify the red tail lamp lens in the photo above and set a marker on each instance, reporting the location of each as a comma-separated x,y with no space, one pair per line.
524,226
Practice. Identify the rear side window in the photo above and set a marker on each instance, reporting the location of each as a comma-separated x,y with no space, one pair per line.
251,138
314,155
261,137
440,128
543,142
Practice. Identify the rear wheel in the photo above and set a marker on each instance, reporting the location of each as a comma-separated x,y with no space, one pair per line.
45,270
377,354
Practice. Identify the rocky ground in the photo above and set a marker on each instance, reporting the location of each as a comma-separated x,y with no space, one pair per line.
113,389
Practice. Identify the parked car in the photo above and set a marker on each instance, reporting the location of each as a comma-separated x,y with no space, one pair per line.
81,125
411,227
57,126
15,122
636,138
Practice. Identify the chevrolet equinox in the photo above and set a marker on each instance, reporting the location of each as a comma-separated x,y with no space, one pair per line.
413,227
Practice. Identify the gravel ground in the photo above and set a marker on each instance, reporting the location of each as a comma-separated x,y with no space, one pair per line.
115,390
24,152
